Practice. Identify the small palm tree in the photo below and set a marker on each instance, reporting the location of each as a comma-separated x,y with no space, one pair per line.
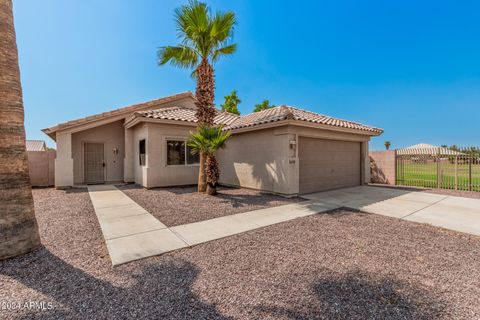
209,140
263,106
205,37
387,145
231,103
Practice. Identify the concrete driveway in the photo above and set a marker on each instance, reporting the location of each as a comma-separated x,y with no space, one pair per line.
454,213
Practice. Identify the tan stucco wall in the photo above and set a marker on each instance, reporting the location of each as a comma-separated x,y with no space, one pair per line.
265,159
67,173
260,160
64,161
128,160
41,167
156,169
383,166
112,136
139,172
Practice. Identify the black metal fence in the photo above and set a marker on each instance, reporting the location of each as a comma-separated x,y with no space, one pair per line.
447,168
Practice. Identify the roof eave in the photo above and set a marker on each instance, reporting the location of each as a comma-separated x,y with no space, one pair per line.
119,111
50,133
305,124
137,118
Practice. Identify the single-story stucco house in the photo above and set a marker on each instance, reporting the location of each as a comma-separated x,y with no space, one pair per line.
283,150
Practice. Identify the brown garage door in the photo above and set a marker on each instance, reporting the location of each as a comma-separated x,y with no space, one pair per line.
328,164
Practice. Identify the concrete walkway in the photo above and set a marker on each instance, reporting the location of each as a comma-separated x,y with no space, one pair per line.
454,213
131,233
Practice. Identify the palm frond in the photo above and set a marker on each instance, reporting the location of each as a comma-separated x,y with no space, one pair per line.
193,21
229,49
180,56
222,26
203,33
219,141
208,140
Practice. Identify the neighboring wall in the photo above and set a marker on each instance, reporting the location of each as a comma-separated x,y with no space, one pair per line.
260,160
41,165
112,136
156,172
382,166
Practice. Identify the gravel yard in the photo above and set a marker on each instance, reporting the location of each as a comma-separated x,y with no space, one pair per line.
180,205
342,265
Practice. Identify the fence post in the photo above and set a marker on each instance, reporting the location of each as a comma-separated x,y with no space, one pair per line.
395,167
438,168
456,173
470,173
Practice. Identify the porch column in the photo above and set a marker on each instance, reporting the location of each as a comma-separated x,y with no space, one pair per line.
128,174
64,161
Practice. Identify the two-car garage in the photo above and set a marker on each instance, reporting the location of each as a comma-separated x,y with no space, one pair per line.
328,164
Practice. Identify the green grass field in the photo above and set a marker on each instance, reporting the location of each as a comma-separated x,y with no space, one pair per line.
425,175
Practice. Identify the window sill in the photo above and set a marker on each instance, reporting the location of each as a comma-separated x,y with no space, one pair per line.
183,165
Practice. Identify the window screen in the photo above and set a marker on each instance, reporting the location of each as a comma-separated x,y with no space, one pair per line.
192,158
175,152
178,153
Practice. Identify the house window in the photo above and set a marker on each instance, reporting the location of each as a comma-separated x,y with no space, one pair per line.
178,153
141,152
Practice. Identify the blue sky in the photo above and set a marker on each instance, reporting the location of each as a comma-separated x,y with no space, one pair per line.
410,67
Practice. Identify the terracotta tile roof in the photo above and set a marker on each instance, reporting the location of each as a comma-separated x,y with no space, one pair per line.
233,122
186,114
153,109
291,113
36,145
124,110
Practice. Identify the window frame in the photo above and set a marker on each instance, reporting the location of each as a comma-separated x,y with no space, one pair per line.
184,140
140,154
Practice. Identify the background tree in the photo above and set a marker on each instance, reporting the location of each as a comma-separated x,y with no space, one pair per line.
231,103
209,140
205,37
387,145
18,226
263,106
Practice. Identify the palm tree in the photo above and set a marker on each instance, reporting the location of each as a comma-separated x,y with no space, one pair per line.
209,140
205,37
18,226
387,145
231,103
263,106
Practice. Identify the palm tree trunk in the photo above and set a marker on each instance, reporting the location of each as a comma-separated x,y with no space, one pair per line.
18,226
202,180
205,94
212,172
205,113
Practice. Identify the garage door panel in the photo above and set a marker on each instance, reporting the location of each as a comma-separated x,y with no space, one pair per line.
328,164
